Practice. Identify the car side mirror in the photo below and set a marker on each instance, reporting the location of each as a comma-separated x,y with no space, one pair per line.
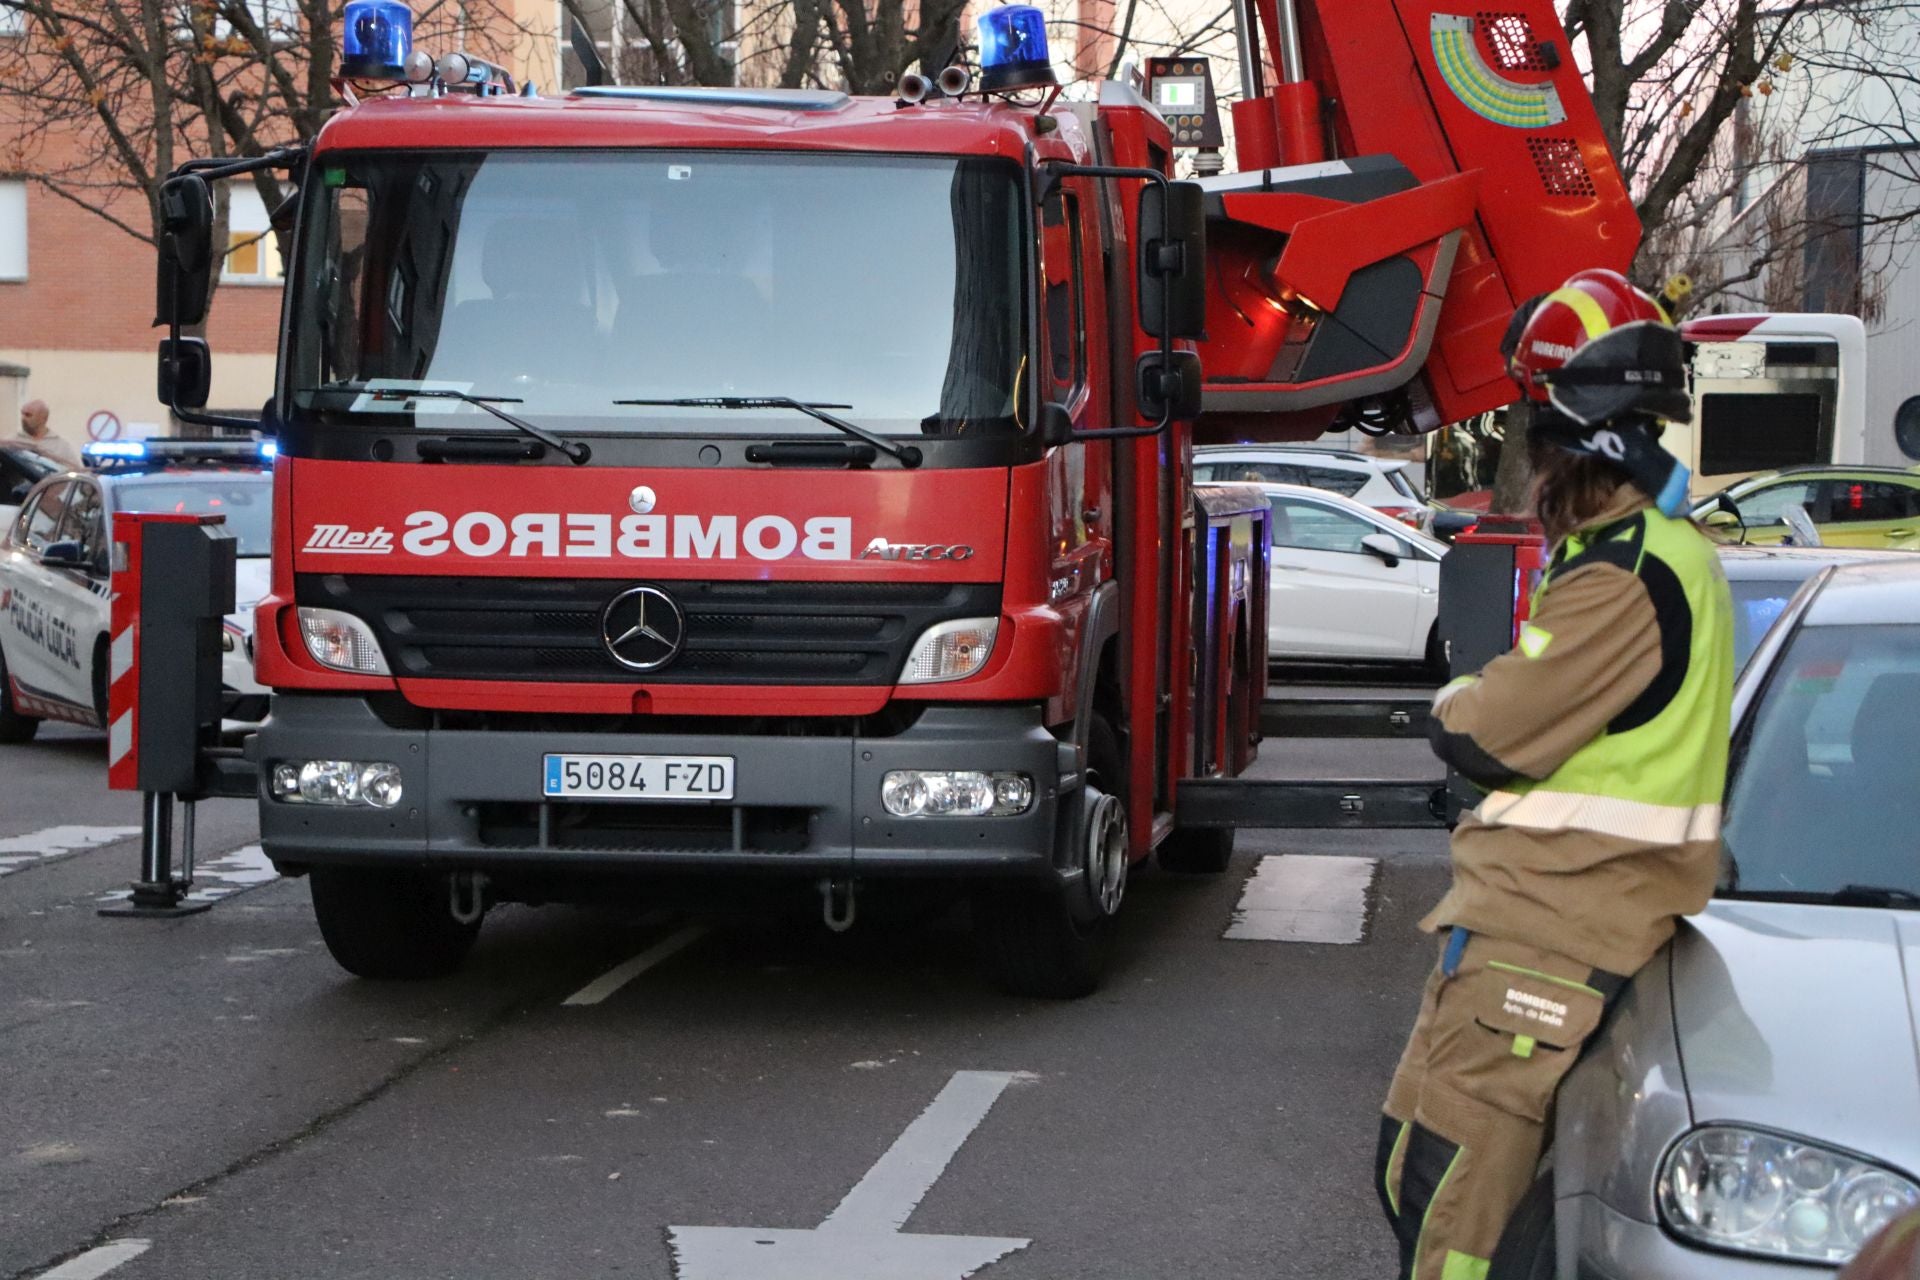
1389,549
1719,518
186,373
1172,234
65,552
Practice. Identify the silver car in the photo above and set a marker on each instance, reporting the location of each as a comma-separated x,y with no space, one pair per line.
1752,1107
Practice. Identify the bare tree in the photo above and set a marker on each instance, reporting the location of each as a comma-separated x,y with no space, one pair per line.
101,99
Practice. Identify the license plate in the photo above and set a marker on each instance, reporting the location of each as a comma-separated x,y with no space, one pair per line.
639,777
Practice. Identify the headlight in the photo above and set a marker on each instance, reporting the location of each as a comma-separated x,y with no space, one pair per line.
951,651
1775,1196
336,782
955,793
341,641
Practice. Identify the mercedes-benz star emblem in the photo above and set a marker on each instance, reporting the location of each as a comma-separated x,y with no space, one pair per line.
643,628
642,499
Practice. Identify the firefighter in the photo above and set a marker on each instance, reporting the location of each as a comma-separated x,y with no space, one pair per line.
1600,741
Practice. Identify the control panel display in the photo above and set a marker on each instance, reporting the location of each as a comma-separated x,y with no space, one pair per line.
1182,90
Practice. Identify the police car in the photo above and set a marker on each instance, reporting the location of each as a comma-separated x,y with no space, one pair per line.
56,580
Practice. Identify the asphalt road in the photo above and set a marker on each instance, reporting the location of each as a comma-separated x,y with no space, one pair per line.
215,1087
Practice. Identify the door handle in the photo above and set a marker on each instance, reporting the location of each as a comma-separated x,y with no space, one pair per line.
1900,533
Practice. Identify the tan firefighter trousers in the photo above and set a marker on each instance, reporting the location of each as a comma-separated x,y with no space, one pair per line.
1500,1025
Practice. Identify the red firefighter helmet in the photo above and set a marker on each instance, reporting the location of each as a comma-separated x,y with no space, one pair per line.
1597,348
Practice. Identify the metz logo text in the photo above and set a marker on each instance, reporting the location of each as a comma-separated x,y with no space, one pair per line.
342,540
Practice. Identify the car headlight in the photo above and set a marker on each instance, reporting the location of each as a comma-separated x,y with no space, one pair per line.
951,650
1776,1196
341,641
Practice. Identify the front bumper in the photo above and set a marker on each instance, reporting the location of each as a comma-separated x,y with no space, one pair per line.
1611,1246
802,804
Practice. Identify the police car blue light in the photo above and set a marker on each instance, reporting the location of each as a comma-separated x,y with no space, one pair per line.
1013,49
269,450
378,38
116,449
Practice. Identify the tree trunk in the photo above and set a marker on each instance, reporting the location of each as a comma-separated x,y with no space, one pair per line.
1510,480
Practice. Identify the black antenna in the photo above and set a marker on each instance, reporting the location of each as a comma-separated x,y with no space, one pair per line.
590,63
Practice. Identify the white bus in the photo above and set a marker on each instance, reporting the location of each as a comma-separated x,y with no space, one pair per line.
1778,390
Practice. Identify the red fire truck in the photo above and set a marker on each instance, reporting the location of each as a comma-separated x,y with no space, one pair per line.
743,482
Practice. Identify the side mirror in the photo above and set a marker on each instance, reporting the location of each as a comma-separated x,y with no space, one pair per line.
1719,518
185,277
1450,522
65,552
1172,234
186,372
1167,384
1389,549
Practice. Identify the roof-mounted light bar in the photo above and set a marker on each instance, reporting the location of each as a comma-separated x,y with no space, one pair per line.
109,453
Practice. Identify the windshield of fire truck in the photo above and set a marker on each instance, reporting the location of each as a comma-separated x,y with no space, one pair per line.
565,281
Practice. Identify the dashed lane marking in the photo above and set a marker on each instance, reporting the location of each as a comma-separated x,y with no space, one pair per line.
95,1263
1300,898
56,842
621,974
230,873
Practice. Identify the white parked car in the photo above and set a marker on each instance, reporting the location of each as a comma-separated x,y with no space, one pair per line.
55,583
1380,483
1349,582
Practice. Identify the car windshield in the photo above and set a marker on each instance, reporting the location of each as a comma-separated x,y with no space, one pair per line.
1756,603
1824,795
247,503
564,282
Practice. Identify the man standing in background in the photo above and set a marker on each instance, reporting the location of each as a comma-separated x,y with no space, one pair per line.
35,434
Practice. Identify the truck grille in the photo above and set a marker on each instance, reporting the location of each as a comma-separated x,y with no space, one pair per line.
737,632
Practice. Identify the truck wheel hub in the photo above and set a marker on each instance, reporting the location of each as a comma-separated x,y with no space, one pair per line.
1106,852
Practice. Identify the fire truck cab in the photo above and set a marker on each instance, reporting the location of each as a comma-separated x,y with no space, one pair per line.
727,482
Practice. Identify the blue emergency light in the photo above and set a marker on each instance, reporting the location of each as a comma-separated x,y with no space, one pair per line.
378,38
116,449
1013,49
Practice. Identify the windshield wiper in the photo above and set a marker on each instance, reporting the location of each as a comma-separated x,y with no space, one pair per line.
1847,895
1874,895
575,452
907,454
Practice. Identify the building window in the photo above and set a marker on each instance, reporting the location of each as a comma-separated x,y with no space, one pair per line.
253,255
13,230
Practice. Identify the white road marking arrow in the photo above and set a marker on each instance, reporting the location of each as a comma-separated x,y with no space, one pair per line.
862,1240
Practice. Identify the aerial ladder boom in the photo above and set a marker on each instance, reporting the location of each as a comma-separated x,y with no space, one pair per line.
1407,173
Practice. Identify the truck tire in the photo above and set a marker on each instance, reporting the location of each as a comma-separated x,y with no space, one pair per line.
100,659
1197,851
1527,1250
389,924
1048,941
1436,659
14,727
